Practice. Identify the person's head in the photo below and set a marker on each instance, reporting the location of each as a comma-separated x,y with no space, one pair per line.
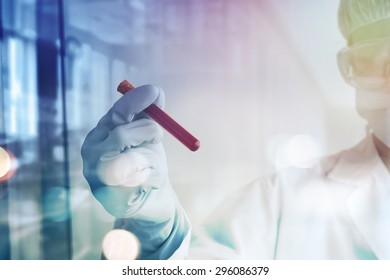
365,61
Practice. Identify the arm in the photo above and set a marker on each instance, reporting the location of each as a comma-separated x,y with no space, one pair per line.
125,166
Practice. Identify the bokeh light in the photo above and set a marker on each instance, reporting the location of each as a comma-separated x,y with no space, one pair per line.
120,244
8,164
303,151
5,162
55,204
299,150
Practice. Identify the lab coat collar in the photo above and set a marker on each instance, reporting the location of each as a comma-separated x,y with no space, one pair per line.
356,164
369,203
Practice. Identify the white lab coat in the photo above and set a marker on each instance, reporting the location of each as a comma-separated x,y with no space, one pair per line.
338,209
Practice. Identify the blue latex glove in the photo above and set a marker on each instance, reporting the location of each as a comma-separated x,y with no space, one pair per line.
125,166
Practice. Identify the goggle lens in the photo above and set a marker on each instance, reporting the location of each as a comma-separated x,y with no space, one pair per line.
366,65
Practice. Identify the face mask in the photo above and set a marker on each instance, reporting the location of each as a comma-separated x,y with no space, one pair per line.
374,107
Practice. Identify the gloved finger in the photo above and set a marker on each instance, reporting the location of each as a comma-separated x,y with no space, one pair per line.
126,108
145,203
121,202
132,103
128,169
145,165
121,138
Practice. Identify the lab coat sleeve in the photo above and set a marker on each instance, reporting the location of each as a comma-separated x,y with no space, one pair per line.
244,226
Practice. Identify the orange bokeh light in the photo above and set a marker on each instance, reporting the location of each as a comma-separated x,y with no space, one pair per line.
10,164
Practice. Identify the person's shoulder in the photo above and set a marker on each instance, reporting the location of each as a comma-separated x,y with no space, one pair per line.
327,163
319,167
316,169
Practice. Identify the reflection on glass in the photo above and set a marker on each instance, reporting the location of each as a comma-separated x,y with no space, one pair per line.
31,131
225,54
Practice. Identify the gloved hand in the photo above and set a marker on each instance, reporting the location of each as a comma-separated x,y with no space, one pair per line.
125,166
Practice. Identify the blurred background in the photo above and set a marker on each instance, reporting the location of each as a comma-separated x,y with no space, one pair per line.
256,81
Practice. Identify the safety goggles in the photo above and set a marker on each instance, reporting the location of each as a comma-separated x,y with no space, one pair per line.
367,64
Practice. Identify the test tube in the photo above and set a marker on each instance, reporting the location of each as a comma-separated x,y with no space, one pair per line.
163,119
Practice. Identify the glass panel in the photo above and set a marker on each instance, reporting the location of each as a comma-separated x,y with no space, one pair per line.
245,77
36,190
240,75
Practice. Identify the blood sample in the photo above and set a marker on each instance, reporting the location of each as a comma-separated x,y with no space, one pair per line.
163,119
